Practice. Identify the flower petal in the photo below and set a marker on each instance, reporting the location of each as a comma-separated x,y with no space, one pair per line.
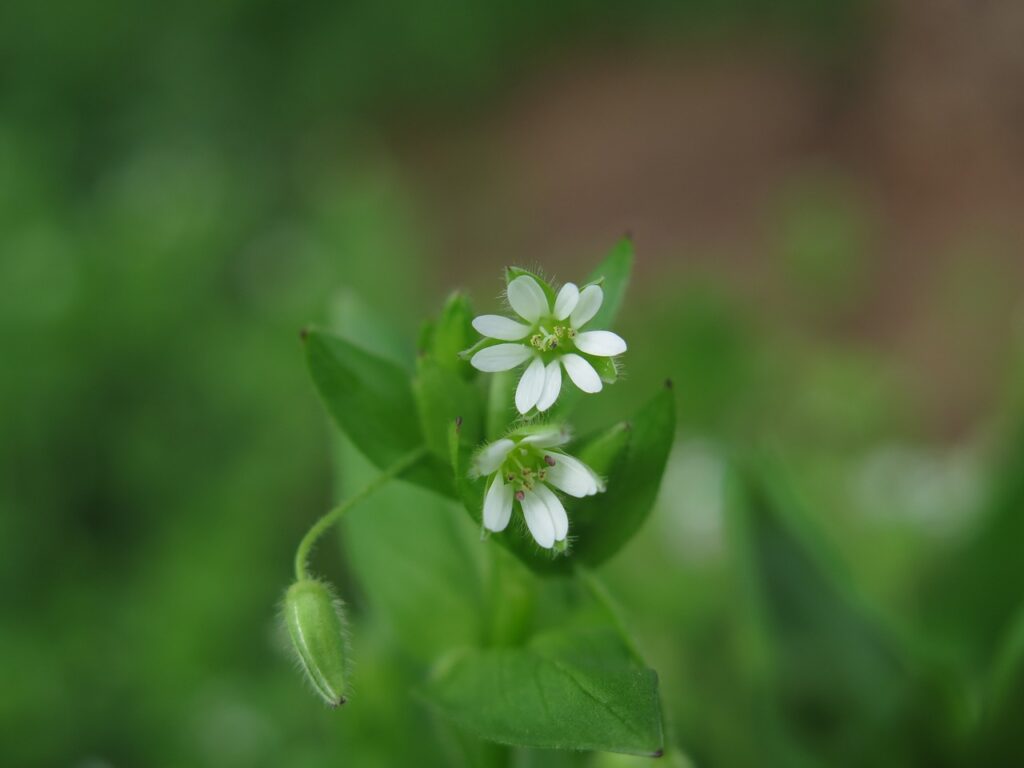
500,357
572,476
552,386
590,301
498,327
538,519
491,456
497,505
559,519
566,300
600,343
527,298
582,373
531,384
548,437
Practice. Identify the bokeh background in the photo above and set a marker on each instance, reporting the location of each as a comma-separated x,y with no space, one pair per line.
828,211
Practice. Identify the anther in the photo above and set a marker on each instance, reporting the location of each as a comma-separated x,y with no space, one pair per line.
549,460
520,495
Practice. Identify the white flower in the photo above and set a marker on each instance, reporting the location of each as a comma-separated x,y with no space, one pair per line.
548,339
523,468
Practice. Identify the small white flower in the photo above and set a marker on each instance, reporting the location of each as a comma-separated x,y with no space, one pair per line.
524,467
549,339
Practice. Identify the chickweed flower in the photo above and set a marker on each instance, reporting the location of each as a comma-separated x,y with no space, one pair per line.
547,337
524,467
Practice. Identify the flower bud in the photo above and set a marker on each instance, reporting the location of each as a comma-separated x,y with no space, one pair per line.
316,624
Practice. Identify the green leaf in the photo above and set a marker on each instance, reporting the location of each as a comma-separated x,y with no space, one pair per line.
974,596
998,740
848,690
564,690
451,334
633,457
371,400
613,273
442,396
501,411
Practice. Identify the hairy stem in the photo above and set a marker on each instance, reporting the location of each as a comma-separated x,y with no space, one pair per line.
334,515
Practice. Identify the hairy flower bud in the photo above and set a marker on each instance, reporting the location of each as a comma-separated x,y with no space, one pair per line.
316,624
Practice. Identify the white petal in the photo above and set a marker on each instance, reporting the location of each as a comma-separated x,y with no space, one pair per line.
497,505
498,327
582,373
538,519
548,437
531,384
590,301
528,298
566,300
559,519
600,343
500,357
572,476
552,386
492,456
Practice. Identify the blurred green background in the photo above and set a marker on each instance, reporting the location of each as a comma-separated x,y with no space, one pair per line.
825,199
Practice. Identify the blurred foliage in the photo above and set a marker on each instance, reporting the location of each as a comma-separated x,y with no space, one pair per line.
183,187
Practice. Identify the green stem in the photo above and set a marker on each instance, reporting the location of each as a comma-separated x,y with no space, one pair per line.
332,516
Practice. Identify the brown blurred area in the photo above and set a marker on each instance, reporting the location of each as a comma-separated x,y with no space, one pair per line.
687,148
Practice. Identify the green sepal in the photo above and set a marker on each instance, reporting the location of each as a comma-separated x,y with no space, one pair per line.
511,273
606,368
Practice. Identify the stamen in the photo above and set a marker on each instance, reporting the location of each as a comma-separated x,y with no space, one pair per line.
549,460
520,495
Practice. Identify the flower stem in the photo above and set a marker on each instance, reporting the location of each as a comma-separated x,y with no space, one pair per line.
334,515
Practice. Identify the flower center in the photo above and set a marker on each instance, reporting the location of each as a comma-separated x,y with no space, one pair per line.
558,338
526,466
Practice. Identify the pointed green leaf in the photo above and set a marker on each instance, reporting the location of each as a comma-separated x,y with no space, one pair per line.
998,740
442,396
451,333
613,273
564,690
974,596
600,525
371,400
847,689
